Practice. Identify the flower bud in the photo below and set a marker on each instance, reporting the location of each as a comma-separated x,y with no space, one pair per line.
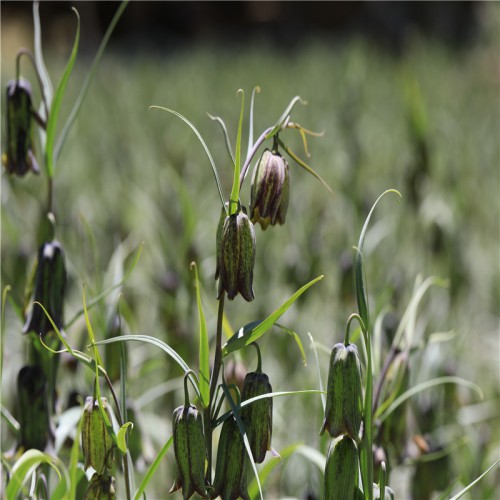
19,157
258,416
97,444
344,399
33,410
230,474
50,286
270,190
236,256
341,469
101,488
190,451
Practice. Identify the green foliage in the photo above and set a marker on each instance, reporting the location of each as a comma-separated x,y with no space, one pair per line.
422,123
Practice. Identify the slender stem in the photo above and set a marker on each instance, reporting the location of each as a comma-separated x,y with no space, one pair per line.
207,420
366,451
119,417
50,194
385,369
256,146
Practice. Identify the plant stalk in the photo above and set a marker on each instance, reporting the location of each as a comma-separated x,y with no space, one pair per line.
207,420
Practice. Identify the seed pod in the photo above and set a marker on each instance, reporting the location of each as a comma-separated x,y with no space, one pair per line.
33,410
50,286
236,257
344,400
190,451
101,488
341,469
230,474
97,444
19,157
258,416
270,190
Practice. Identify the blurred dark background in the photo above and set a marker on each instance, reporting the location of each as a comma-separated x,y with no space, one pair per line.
164,26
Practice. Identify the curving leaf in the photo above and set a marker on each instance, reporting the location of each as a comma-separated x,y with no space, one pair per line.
205,147
24,467
204,351
56,103
253,331
152,469
121,436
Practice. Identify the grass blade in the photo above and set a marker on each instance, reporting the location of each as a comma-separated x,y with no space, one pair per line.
204,352
152,469
56,104
205,147
88,80
251,332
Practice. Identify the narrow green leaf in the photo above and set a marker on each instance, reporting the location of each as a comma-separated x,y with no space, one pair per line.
381,416
88,80
153,341
253,331
267,468
220,121
361,294
304,165
320,380
267,395
74,470
461,493
121,436
56,103
204,351
205,147
283,119
26,465
297,341
235,191
152,469
47,89
255,90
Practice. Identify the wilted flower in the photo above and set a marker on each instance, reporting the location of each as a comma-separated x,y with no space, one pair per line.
270,190
97,443
190,451
341,469
258,416
230,474
235,256
344,403
34,425
19,157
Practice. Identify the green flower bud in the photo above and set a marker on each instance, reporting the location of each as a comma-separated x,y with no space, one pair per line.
19,157
230,474
97,444
190,451
236,256
270,190
101,488
344,399
341,469
34,423
50,286
258,416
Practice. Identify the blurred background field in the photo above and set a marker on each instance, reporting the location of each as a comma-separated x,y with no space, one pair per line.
406,100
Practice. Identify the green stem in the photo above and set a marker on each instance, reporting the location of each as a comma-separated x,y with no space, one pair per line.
119,417
366,443
207,420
